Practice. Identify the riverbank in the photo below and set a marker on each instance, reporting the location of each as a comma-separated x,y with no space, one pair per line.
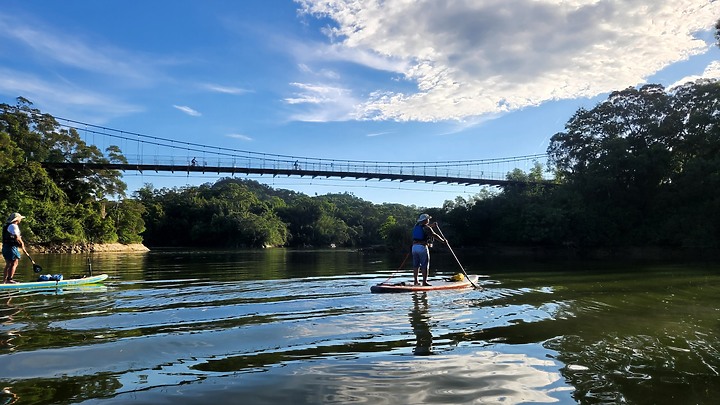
604,253
89,248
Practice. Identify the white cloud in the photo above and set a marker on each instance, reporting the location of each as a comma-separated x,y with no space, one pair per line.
322,102
64,99
319,52
226,89
469,59
187,110
78,76
240,137
72,52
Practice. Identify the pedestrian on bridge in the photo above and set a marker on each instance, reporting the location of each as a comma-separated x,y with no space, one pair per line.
11,241
423,236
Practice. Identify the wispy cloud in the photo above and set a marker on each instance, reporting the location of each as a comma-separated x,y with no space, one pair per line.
64,99
75,52
79,76
315,52
322,102
377,134
226,89
187,110
240,137
468,59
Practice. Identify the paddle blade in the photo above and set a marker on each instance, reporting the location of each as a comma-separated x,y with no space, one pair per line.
37,268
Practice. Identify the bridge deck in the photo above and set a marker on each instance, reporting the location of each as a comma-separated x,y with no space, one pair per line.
280,172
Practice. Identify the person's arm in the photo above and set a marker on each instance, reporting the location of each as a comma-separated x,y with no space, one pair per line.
435,235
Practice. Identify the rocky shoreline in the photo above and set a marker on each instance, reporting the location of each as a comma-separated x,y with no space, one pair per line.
89,248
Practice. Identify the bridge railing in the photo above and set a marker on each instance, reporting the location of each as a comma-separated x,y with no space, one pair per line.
298,166
176,154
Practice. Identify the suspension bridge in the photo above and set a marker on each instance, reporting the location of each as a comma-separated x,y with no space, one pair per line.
156,154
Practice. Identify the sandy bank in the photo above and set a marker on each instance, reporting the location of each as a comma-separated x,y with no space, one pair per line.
89,248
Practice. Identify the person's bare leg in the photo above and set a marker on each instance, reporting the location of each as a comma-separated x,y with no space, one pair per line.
9,272
426,270
425,275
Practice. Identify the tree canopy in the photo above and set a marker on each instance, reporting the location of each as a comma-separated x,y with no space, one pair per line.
641,168
62,206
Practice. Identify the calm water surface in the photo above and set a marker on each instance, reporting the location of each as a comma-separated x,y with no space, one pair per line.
301,327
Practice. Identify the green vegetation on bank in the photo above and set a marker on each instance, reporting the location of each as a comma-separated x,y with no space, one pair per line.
640,169
61,206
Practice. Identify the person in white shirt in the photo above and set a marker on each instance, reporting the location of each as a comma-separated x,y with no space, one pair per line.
11,244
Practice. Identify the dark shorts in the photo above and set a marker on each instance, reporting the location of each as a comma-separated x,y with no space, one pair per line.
10,253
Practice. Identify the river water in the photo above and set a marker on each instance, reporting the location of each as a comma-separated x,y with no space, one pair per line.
301,327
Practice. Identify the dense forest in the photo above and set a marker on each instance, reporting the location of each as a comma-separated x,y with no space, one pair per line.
641,168
62,207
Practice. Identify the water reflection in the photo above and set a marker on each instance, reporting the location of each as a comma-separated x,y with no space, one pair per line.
7,397
9,331
300,327
419,319
465,378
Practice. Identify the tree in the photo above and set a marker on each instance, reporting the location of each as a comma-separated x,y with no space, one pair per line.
62,206
626,164
226,214
127,215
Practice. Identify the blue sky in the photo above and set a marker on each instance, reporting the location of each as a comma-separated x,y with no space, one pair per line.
392,80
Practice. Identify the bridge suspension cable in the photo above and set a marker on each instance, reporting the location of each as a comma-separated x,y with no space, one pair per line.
196,147
460,171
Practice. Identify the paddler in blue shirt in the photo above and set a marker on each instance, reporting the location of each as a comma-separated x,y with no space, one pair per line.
423,236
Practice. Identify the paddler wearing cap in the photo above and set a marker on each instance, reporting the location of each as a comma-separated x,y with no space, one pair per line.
11,241
422,235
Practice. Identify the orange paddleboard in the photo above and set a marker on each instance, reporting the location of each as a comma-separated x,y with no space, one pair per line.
435,286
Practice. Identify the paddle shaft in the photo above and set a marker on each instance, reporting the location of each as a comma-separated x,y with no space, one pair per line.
28,255
36,267
455,256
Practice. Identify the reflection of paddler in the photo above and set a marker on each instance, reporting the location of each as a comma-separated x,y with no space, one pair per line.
7,337
419,320
7,397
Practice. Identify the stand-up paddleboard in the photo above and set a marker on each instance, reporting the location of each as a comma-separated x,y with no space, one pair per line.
55,284
435,286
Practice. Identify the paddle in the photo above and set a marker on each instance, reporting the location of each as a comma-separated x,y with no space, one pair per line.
36,267
456,258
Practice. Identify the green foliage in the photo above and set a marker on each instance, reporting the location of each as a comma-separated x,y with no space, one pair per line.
394,234
641,168
127,215
226,214
62,206
237,213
